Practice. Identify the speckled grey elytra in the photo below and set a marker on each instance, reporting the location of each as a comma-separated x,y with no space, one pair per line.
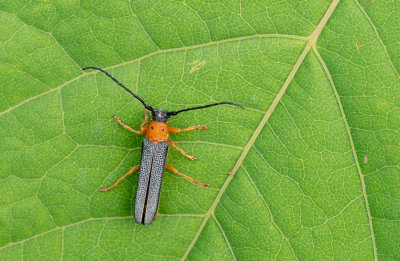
151,174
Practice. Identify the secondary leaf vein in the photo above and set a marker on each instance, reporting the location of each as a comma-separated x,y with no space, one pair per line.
361,175
153,54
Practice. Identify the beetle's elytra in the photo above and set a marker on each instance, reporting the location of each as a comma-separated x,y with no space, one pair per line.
154,155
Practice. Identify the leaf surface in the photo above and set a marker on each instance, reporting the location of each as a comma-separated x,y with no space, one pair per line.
315,154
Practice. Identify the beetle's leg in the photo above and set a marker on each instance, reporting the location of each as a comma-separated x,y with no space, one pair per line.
170,142
146,118
141,131
186,177
176,130
120,179
157,212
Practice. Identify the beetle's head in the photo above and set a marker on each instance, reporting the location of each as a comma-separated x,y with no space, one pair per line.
160,115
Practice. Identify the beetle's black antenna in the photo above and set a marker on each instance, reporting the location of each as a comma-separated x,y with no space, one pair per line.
205,106
120,84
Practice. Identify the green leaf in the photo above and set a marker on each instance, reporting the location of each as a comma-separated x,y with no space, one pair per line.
315,154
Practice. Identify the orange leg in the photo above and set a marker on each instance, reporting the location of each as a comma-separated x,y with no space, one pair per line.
142,127
186,177
120,179
157,212
176,130
170,142
146,118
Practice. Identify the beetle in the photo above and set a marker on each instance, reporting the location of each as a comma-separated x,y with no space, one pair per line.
154,154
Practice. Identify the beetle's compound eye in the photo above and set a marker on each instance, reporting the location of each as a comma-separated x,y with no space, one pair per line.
152,127
162,129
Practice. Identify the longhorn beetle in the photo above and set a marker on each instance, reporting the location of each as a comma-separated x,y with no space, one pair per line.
154,155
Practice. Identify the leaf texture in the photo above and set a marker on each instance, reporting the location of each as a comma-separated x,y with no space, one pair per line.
315,154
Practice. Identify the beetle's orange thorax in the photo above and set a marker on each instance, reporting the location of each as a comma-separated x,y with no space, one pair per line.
157,131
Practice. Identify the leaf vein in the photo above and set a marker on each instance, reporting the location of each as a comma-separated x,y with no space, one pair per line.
269,210
141,25
225,237
355,157
378,36
89,220
153,54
